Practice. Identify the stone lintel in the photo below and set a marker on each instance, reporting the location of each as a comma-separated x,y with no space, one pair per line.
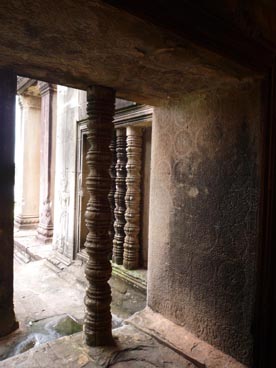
23,84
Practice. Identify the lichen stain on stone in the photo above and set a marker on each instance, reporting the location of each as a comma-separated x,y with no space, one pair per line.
193,192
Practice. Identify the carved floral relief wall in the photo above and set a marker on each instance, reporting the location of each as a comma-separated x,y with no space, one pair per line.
204,215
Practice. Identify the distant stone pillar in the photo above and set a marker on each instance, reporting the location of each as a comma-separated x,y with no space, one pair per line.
27,208
112,172
97,321
7,144
133,195
47,161
119,212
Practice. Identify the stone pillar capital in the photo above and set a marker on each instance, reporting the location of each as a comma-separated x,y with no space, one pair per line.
100,93
29,101
46,88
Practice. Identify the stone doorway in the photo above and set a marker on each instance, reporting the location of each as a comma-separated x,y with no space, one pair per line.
82,195
35,144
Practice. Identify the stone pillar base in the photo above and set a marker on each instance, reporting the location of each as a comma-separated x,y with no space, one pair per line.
45,234
22,222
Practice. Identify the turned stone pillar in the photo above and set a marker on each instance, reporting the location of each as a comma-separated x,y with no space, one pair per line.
112,172
27,209
97,321
47,161
133,195
119,236
7,145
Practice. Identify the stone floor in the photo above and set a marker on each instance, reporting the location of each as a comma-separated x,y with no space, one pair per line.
41,293
58,292
128,287
28,247
133,349
144,340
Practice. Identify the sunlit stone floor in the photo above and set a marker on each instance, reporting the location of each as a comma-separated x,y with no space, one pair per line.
41,297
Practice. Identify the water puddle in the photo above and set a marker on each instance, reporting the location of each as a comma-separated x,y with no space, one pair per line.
39,332
45,330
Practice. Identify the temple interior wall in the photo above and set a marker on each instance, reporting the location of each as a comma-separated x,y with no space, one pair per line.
203,215
69,110
146,174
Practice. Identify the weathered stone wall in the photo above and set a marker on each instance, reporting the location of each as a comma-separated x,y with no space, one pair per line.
71,105
145,197
7,123
203,215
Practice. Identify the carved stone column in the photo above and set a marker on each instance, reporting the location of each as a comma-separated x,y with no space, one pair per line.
119,236
7,126
47,161
28,164
97,321
133,195
112,172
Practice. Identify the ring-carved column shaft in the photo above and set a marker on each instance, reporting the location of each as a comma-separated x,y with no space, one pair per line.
120,207
97,322
112,172
133,195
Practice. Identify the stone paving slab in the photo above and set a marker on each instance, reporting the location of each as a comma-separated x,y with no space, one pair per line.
28,248
133,349
178,338
40,293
